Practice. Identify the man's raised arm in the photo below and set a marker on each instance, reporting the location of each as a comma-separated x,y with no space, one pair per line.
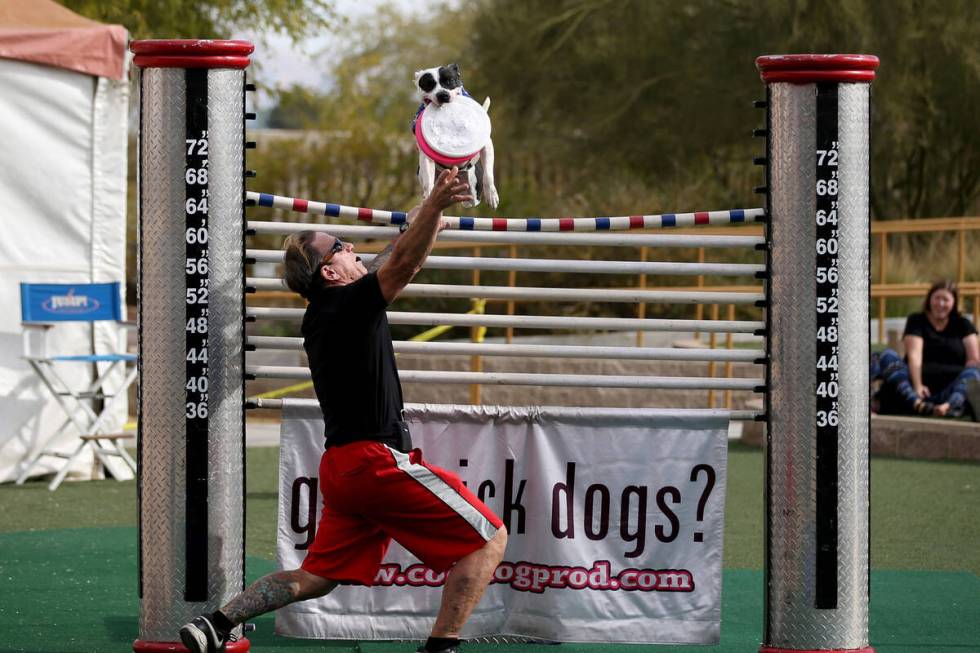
413,247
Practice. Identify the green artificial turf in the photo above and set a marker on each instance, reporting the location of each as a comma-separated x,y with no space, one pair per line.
68,567
74,591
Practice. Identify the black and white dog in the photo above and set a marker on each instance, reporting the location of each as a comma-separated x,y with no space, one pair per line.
439,86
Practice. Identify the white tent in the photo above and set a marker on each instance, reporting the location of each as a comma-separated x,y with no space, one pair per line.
63,113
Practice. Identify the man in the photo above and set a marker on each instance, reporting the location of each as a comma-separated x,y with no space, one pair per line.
375,486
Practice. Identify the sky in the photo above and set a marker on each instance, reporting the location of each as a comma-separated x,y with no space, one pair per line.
283,64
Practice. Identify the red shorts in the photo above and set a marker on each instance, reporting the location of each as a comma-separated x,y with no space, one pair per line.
373,494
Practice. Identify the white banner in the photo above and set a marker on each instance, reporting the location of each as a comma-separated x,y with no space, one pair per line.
615,520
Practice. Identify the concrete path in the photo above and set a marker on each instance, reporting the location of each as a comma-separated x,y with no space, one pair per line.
261,433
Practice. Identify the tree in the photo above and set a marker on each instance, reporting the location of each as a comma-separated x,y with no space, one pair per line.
358,148
208,19
199,19
662,91
298,108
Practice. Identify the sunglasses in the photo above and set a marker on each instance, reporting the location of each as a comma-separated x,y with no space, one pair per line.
338,246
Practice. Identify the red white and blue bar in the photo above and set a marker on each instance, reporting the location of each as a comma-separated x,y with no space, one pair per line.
618,223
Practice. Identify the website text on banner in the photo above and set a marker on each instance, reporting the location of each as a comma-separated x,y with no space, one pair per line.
615,531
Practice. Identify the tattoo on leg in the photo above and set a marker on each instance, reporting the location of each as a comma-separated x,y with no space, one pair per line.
264,595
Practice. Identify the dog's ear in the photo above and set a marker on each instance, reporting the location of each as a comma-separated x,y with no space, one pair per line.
455,68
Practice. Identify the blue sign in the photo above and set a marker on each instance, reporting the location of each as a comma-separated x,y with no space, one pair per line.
66,302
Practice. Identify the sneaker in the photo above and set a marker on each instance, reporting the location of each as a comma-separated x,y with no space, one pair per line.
200,636
924,408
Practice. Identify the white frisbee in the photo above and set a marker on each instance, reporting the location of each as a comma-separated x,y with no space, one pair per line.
455,129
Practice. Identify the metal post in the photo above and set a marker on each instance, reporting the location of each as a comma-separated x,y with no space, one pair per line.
818,415
961,254
882,279
191,335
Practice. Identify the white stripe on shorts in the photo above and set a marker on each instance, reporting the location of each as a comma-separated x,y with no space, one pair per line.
446,494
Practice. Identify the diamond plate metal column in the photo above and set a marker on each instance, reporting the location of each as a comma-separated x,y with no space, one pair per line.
817,485
191,333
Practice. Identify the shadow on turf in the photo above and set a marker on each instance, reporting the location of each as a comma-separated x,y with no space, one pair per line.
262,495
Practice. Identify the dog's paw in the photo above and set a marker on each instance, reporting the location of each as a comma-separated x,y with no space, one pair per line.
491,196
426,175
470,204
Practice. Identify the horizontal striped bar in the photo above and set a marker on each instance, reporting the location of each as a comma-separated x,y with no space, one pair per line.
611,239
631,296
536,321
732,216
548,380
541,351
323,208
555,265
599,415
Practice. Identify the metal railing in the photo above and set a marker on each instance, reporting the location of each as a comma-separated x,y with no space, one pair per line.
507,296
705,310
882,291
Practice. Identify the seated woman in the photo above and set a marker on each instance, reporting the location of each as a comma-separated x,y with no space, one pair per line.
942,357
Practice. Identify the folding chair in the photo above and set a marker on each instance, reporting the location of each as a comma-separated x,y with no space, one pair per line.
43,306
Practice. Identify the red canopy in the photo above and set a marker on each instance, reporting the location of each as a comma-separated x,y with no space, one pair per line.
44,32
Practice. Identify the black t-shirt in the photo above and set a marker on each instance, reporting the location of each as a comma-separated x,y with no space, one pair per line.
347,341
943,353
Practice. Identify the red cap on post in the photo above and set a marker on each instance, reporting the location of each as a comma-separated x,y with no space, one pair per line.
809,68
191,53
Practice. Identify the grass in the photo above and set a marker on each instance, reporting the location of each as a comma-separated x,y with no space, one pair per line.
924,515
